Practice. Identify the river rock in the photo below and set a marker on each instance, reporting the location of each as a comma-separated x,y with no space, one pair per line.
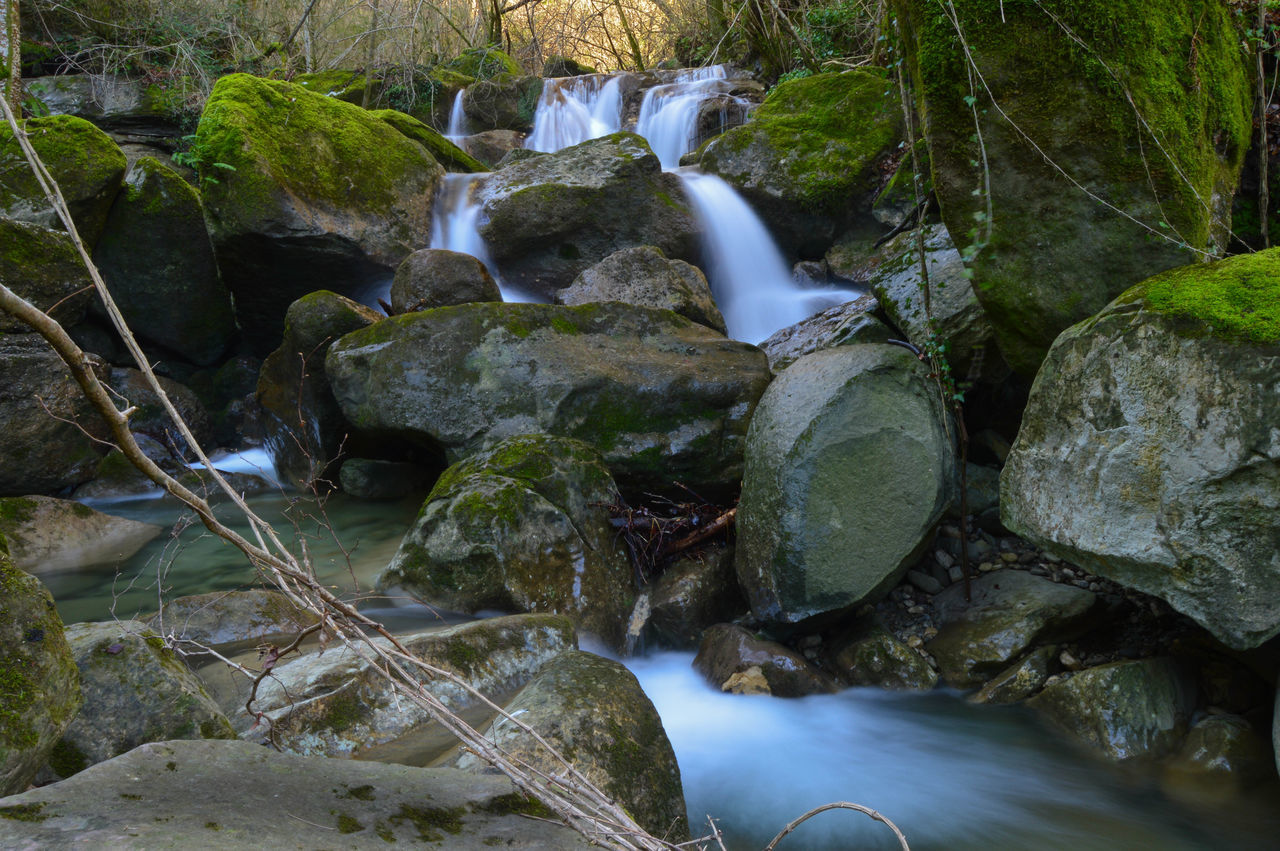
808,159
370,478
1149,452
1225,747
150,418
507,103
230,617
492,146
43,267
521,527
1145,195
445,152
333,703
210,795
48,535
692,594
661,398
643,276
136,690
157,260
842,325
872,656
593,711
87,166
1125,710
437,277
848,468
728,649
319,191
1010,611
117,104
558,65
547,219
1021,679
39,682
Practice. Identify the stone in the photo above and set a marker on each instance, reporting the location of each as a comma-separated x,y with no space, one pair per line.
924,582
661,398
843,325
1021,679
132,390
692,594
593,711
643,276
222,618
728,649
871,656
492,146
848,469
1149,453
506,103
117,104
370,478
437,277
43,267
48,535
442,150
558,65
1225,747
1010,612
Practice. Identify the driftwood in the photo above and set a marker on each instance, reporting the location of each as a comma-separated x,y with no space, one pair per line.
655,533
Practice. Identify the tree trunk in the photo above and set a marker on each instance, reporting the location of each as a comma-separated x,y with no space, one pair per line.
11,50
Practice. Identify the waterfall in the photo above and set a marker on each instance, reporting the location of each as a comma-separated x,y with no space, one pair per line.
575,109
669,112
455,226
457,120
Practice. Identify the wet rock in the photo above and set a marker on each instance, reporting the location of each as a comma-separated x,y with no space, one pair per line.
843,325
1021,679
692,594
43,267
150,417
492,146
230,617
727,649
506,103
872,656
47,535
369,478
436,277
1225,747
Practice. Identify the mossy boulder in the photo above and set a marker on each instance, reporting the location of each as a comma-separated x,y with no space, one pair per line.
136,690
593,711
47,535
521,527
318,190
121,105
87,166
849,467
661,398
727,650
1110,152
870,655
484,63
1148,451
438,277
551,217
39,682
1225,748
230,617
157,260
504,103
43,266
342,84
441,149
807,161
557,65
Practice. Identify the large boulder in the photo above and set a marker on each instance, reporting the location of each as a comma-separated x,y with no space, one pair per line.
521,527
230,617
445,152
39,682
1117,131
548,218
1149,453
318,193
437,277
47,535
593,711
661,398
132,106
157,260
506,103
808,160
43,266
849,466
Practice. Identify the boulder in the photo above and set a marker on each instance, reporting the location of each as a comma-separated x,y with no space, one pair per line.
546,219
117,104
158,263
442,150
39,683
506,103
661,398
370,478
808,160
492,146
87,166
1125,710
870,655
136,690
210,794
484,63
43,267
1145,194
644,277
1225,747
521,527
557,65
1021,679
132,390
48,535
728,650
1149,454
692,594
849,467
318,190
593,711
230,617
843,325
437,277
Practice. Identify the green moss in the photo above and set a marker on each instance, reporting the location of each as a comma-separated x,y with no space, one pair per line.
431,820
212,825
360,793
67,759
385,833
564,325
130,797
483,63
441,149
345,85
170,766
516,803
348,824
1236,299
25,812
343,712
16,510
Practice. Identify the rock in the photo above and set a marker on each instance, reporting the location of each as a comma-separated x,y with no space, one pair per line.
369,478
492,146
158,263
116,104
728,649
1225,747
547,219
1021,679
1149,454
230,617
848,469
87,166
521,527
564,66
48,535
437,277
151,419
484,63
39,683
807,160
1010,612
1125,710
872,656
319,190
593,711
211,795
43,267
924,582
42,412
305,426
136,690
443,151
692,594
661,398
644,277
1172,180
503,104
333,703
843,325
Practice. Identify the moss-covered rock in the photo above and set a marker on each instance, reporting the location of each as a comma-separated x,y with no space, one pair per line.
565,66
47,535
317,190
342,84
1225,748
505,103
230,617
870,655
87,166
692,594
1113,146
118,104
438,277
484,63
43,266
441,149
807,161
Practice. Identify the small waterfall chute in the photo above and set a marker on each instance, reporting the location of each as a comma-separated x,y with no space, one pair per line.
669,112
457,120
575,109
455,225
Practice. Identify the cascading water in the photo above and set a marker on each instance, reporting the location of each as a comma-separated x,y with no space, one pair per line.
454,226
457,120
669,112
575,109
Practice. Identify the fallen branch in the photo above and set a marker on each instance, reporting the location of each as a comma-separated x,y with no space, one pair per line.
839,805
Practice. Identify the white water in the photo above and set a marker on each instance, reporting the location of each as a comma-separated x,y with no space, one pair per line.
455,226
575,109
257,462
457,120
669,113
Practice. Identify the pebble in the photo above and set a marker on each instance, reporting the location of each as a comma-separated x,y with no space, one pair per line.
1039,570
987,567
1027,557
810,654
1081,583
955,572
915,641
930,633
1051,558
924,582
1095,587
1009,558
916,610
1071,663
943,558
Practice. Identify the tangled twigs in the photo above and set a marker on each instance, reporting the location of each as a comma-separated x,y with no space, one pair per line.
839,805
656,532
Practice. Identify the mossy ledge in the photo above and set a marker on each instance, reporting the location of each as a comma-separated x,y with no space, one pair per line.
1237,299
